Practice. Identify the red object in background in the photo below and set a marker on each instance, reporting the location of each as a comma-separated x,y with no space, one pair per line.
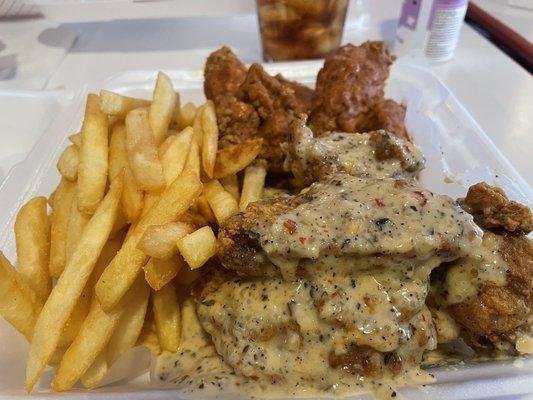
518,46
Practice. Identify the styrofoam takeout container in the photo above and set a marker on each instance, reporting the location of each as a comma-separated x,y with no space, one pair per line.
458,154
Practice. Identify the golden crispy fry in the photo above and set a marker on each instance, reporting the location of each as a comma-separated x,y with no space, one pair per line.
210,138
96,372
175,155
32,234
142,151
80,311
205,210
94,335
121,273
231,184
175,113
119,105
162,107
159,241
158,272
186,116
166,144
222,203
197,126
76,139
198,247
167,317
129,328
68,163
52,196
118,156
70,285
253,183
193,158
18,304
93,165
63,199
132,195
233,159
120,223
148,336
76,223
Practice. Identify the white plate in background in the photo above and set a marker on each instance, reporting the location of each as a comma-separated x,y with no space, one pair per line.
455,147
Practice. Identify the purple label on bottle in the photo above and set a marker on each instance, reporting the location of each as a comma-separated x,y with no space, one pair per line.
444,4
410,11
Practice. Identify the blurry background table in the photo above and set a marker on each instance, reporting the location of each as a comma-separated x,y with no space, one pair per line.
496,90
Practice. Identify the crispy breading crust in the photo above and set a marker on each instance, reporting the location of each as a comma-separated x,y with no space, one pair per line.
497,312
493,210
251,104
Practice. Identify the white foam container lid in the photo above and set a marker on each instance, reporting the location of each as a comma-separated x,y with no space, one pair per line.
455,148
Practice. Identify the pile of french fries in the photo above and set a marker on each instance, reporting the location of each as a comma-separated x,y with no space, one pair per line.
143,186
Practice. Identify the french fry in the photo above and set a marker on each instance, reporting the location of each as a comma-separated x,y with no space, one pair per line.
253,183
193,158
68,163
129,328
210,138
166,144
32,234
175,155
52,196
159,241
75,139
142,151
175,113
120,223
93,164
162,107
221,202
233,159
197,127
63,199
119,105
96,372
70,285
231,184
18,303
158,272
132,195
76,223
94,335
205,209
81,309
186,116
148,336
198,247
118,156
121,272
167,317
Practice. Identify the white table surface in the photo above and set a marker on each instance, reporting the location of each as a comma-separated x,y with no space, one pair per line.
519,19
495,90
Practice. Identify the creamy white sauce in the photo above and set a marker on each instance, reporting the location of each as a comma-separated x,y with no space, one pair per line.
369,218
354,154
468,275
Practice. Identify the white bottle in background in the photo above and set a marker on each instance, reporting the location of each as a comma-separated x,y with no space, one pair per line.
432,26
